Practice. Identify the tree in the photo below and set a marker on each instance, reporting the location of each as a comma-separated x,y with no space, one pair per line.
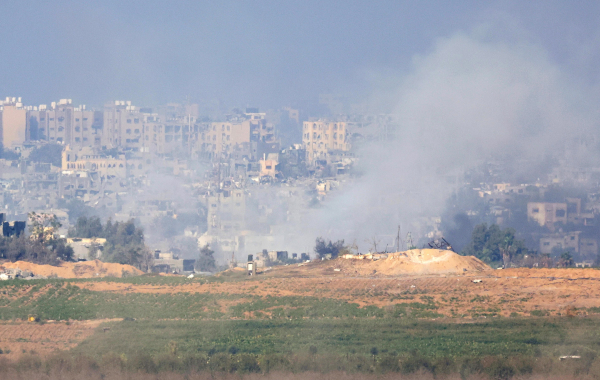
566,260
322,248
87,228
39,251
206,261
494,245
124,240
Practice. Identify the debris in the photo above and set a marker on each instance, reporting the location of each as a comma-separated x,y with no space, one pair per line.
191,276
476,281
569,357
337,270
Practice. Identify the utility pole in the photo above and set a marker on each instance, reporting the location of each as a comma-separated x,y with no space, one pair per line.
398,240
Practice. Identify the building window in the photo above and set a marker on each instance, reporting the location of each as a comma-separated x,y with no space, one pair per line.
137,131
560,213
77,129
128,131
128,121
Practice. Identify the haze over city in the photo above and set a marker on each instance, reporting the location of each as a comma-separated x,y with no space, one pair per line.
315,188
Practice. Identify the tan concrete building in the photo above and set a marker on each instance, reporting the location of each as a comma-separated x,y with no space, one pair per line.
566,242
268,165
223,138
547,214
64,123
130,127
85,159
13,122
321,137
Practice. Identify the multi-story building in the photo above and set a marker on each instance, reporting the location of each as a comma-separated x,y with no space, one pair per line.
246,135
64,123
220,139
547,214
88,160
136,129
13,120
322,137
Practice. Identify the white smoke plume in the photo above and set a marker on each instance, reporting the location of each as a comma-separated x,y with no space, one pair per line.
472,98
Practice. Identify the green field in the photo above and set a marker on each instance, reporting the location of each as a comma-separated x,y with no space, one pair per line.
243,333
529,337
62,300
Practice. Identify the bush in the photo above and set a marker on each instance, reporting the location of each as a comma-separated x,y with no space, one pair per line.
143,363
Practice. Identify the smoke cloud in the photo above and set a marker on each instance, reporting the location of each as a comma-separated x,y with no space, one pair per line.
471,99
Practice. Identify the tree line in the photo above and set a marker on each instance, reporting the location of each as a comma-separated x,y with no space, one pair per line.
124,240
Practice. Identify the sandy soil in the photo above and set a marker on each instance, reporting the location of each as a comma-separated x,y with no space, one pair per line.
413,262
83,269
500,292
42,339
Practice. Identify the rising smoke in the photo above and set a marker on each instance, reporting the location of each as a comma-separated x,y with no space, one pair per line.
471,99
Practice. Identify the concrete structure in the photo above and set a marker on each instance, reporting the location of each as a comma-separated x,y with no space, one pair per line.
83,249
170,263
319,138
268,165
547,214
64,123
86,159
13,122
561,241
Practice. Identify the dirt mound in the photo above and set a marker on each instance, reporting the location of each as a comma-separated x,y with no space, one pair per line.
82,269
418,261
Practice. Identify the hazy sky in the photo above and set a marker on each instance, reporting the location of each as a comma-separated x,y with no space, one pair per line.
262,53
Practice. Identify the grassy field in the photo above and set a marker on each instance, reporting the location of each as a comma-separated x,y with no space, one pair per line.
527,337
63,300
245,332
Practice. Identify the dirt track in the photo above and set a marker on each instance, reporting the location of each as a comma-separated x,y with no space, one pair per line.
18,338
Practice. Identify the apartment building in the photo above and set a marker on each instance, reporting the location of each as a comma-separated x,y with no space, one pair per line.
322,137
64,123
546,213
223,138
13,120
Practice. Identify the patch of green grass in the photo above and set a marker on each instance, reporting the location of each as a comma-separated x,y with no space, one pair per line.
506,337
63,300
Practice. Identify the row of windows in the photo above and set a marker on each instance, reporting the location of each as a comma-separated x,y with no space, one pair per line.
320,127
318,137
60,119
